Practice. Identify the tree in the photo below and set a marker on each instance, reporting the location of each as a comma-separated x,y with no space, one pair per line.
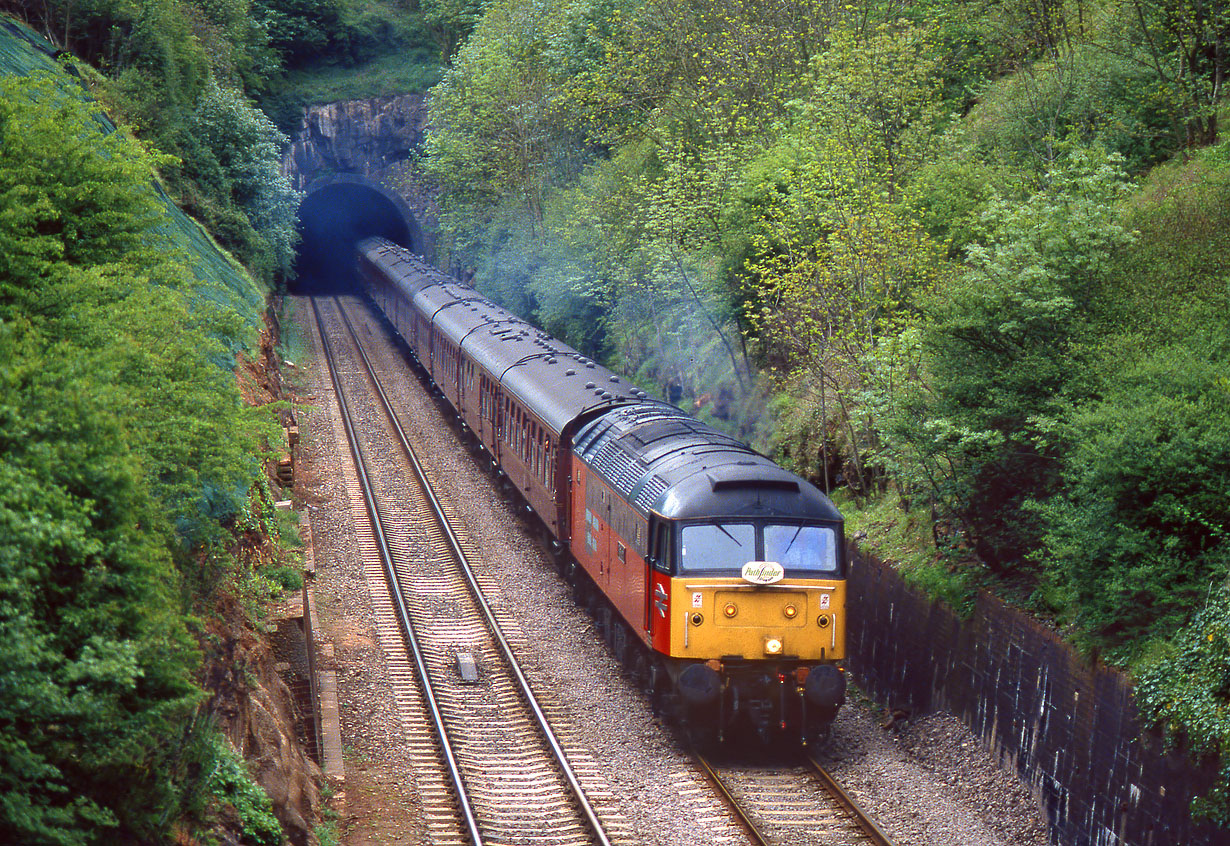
71,198
96,659
838,257
1142,528
1004,345
123,449
237,156
1186,43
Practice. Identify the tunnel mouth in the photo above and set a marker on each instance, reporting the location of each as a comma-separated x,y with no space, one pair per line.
332,218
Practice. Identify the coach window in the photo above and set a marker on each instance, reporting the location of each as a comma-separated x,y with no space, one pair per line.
537,455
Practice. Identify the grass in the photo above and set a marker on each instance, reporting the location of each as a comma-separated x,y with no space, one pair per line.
403,72
902,538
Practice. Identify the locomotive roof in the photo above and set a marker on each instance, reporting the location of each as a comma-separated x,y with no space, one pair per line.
661,459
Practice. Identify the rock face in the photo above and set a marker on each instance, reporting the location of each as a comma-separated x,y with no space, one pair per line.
252,706
365,137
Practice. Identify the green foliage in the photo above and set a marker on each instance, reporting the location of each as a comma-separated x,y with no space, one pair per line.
837,258
176,70
450,22
123,447
301,30
231,784
1174,279
1108,97
1183,42
1002,348
412,69
1141,529
950,194
236,161
97,660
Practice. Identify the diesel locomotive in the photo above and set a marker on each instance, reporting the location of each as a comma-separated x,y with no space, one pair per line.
717,577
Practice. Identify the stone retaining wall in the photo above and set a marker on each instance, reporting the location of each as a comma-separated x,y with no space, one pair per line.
1070,729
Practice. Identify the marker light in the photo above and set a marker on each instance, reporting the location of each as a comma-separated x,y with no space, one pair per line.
790,611
730,610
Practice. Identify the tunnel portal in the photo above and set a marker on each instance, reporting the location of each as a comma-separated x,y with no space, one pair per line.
335,214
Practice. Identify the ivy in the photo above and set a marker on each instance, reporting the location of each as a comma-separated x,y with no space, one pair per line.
1187,695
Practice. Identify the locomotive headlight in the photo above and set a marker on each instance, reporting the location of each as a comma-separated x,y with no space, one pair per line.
730,609
791,612
772,646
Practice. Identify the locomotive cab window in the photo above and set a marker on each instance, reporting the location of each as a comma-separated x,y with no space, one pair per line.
805,548
802,550
723,546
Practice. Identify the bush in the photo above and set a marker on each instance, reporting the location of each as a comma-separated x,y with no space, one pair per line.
1141,530
231,784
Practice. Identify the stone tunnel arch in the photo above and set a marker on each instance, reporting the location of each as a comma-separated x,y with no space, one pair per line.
339,210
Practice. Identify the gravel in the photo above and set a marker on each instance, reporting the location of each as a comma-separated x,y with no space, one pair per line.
926,780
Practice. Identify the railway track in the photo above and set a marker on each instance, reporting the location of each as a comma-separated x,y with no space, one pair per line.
795,803
491,769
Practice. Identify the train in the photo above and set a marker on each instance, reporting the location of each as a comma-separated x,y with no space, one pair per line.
717,577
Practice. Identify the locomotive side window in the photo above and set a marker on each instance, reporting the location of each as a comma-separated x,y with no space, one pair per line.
662,549
717,547
812,548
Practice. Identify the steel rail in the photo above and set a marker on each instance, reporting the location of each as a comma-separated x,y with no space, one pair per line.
748,825
492,624
437,717
865,822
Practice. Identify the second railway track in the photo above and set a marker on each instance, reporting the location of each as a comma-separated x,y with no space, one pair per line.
513,782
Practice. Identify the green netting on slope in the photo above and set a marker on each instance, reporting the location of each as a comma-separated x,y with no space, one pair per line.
223,281
22,50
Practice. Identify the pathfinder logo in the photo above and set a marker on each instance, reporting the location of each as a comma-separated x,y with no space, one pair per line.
763,572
